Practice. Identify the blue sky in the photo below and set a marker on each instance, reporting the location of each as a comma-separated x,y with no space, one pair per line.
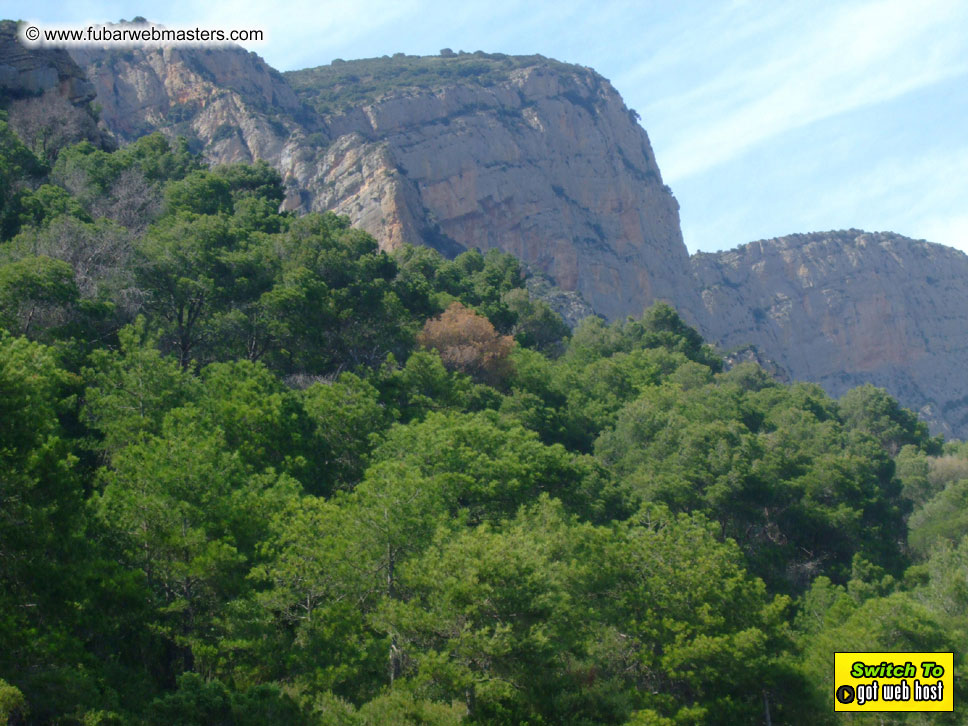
767,118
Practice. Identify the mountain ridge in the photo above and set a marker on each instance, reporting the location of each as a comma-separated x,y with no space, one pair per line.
544,160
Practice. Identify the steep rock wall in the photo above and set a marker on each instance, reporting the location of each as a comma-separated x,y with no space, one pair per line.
546,162
549,165
26,72
846,308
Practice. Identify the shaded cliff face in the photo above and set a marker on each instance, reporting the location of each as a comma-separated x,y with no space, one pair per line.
27,72
846,308
537,158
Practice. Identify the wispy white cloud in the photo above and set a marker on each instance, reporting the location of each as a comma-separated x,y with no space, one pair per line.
845,58
919,195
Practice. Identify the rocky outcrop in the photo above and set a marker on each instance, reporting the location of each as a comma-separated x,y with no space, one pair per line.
548,165
27,72
544,160
733,357
571,306
227,99
846,308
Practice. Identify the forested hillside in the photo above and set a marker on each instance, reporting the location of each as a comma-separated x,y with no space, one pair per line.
254,470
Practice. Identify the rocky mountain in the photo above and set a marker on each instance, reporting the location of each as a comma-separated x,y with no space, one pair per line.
544,160
536,157
850,307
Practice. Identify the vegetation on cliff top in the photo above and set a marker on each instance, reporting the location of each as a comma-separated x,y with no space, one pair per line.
344,84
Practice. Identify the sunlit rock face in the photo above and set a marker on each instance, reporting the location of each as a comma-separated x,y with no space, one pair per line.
537,158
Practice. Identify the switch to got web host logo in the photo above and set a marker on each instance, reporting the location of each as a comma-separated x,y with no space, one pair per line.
893,681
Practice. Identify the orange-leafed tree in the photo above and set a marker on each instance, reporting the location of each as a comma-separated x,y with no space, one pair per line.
468,342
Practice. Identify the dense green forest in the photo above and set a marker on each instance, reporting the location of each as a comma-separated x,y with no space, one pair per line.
254,470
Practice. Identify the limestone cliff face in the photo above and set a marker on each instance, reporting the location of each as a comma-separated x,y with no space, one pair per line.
548,165
229,100
544,160
846,308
